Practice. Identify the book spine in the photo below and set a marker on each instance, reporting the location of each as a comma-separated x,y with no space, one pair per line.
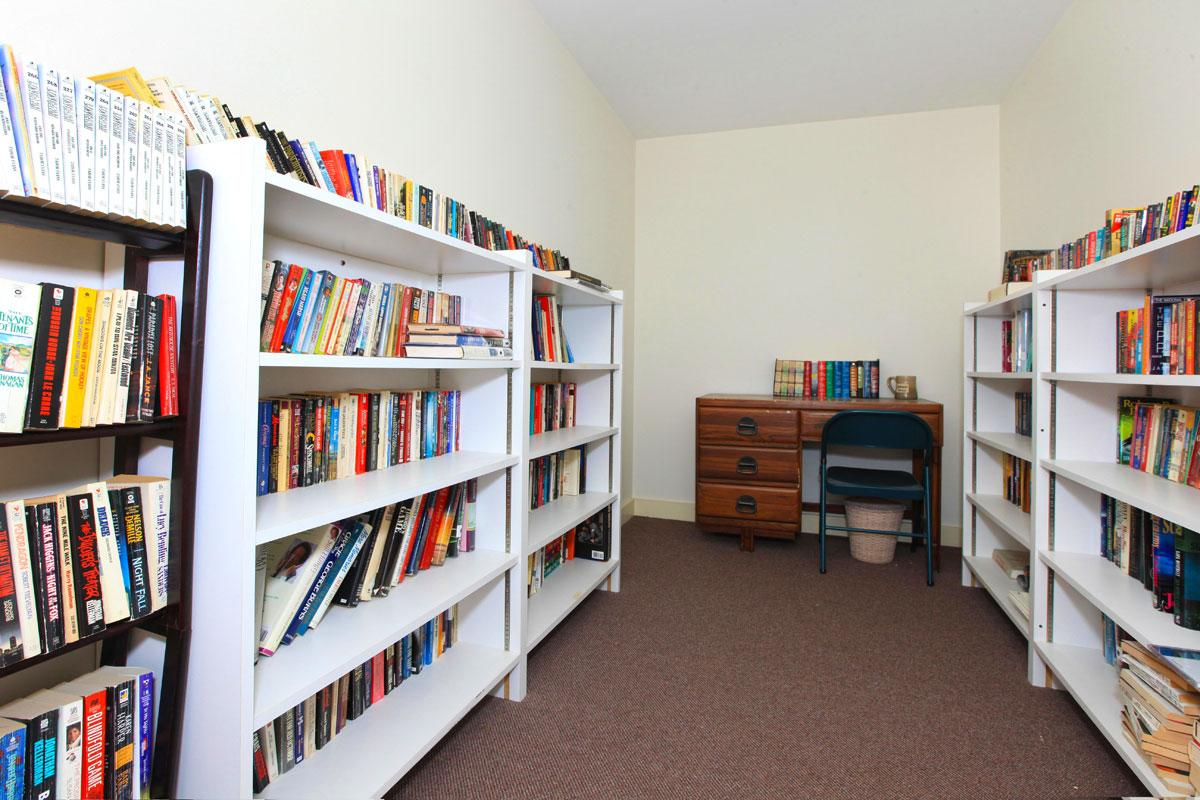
151,322
86,564
135,548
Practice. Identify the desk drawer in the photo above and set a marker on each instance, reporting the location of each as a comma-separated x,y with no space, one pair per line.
813,422
748,464
720,425
747,502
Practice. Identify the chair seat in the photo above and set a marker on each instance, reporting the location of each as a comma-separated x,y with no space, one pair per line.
885,483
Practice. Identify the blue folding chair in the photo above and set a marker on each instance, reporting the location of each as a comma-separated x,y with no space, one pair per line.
892,430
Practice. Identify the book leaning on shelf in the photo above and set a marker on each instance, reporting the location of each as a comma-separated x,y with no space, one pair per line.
355,560
1159,714
1158,436
556,475
74,143
311,438
546,561
296,735
75,562
549,338
76,357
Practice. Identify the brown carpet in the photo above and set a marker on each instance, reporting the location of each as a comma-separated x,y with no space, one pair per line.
717,673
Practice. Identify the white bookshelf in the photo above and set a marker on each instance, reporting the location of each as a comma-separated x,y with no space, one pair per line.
260,215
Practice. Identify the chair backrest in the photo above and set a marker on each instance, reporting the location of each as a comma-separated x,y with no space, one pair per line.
893,430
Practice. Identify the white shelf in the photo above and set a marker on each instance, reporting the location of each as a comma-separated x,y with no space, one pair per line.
1093,683
284,513
1120,379
571,292
558,517
1011,519
998,585
348,637
1001,376
303,213
311,361
1003,306
581,365
375,750
542,444
561,592
1011,443
1122,598
1161,264
1176,502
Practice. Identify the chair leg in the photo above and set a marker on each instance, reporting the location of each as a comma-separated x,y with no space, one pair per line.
928,537
821,526
916,512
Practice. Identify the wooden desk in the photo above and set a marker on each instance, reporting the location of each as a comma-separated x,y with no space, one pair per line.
749,461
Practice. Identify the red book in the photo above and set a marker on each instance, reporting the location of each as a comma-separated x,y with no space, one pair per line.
402,329
377,677
457,418
1193,477
95,716
360,446
335,165
405,420
318,434
806,387
508,238
295,272
435,523
820,380
168,358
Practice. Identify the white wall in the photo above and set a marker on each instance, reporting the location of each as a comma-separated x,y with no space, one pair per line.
850,239
1104,115
476,97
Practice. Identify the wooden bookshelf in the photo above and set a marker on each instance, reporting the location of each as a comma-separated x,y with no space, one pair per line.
148,260
266,216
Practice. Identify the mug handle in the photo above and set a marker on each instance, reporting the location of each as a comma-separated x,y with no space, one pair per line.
891,384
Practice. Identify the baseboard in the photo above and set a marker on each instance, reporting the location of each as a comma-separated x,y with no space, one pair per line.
686,512
627,511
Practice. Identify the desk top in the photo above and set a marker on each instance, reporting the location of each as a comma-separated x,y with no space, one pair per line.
890,404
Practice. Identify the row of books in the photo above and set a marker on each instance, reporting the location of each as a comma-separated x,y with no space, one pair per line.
547,560
74,562
826,380
354,560
76,144
1017,472
556,475
549,338
1159,437
350,175
75,357
1160,712
1023,411
90,738
297,734
1016,342
1159,338
551,407
315,437
1162,555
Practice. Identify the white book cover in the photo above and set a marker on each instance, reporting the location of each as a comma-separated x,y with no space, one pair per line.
145,159
216,117
260,582
171,171
121,400
10,161
35,122
68,777
414,511
104,97
52,108
95,358
156,513
27,603
10,75
179,94
114,340
85,97
158,171
116,154
292,565
19,304
112,584
130,126
70,130
181,169
196,114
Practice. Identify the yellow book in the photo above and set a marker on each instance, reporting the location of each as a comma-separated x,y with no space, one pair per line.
95,377
78,350
408,200
129,82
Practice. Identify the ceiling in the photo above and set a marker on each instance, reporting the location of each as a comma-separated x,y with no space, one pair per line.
690,66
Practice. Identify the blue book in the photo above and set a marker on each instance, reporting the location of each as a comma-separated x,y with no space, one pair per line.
385,303
12,760
320,305
315,155
264,446
335,416
429,417
352,168
298,733
303,293
114,503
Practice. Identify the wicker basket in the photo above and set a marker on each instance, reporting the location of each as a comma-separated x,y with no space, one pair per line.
882,515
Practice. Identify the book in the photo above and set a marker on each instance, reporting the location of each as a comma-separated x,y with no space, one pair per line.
293,565
1012,562
1007,289
19,308
12,759
155,494
49,356
132,531
39,714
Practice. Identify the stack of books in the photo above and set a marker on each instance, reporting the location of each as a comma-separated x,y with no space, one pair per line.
549,338
89,737
75,562
1159,713
1016,341
551,407
1160,437
300,732
76,144
75,357
1159,338
357,559
456,341
1015,565
547,560
556,475
1016,481
315,437
353,176
826,380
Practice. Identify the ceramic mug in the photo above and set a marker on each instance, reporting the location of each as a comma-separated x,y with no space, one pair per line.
903,387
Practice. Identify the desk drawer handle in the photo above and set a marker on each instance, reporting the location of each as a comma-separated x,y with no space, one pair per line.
747,505
747,427
747,466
